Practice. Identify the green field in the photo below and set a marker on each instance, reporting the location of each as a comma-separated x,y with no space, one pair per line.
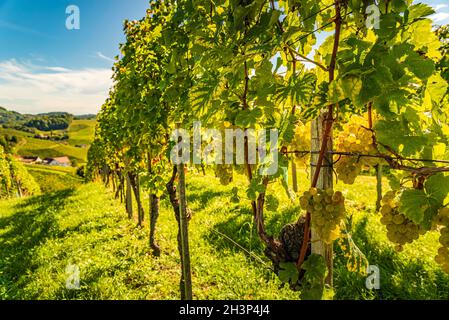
87,227
80,132
54,178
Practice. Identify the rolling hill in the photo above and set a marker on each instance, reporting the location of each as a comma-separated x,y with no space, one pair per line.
80,132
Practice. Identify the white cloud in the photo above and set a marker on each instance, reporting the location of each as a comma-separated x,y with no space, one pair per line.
440,16
441,6
30,88
102,56
57,69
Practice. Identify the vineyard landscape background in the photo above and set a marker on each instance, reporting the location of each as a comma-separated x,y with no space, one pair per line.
361,192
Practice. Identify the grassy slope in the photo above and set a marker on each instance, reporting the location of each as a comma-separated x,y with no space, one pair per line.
80,132
86,227
52,179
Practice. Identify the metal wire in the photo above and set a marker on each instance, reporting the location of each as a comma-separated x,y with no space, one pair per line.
361,155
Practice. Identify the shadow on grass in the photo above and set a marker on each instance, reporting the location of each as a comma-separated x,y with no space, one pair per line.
241,229
33,222
400,278
200,200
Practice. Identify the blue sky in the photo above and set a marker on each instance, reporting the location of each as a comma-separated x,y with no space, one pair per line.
45,67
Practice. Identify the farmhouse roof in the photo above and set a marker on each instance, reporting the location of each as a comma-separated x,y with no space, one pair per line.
59,159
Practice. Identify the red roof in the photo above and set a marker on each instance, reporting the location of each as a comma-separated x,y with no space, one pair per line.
60,160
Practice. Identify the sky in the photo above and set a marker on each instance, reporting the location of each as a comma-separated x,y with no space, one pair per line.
45,67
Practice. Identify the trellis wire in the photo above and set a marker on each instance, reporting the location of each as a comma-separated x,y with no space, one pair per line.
362,155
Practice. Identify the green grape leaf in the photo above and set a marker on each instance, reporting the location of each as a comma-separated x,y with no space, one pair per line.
399,136
254,188
272,203
313,282
436,87
251,193
419,10
399,5
437,186
414,204
248,118
387,27
421,67
421,206
288,272
370,88
235,195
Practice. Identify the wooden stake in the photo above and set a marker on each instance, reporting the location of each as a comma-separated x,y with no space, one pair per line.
294,176
184,230
325,180
379,187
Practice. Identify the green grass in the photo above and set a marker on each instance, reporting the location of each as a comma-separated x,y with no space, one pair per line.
81,132
40,236
52,179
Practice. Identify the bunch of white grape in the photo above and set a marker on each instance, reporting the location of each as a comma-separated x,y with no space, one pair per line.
327,209
225,173
443,252
400,229
301,142
348,168
354,139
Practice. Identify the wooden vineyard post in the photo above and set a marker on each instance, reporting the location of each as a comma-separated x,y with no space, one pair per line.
379,187
294,175
325,181
184,230
128,197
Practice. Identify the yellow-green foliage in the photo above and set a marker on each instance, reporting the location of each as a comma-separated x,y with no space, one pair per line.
52,179
81,132
5,174
14,178
29,146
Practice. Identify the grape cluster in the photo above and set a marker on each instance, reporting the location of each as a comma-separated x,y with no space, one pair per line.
400,229
443,253
327,209
355,139
225,173
348,169
301,141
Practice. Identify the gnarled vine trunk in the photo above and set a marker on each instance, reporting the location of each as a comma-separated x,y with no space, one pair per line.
154,214
128,197
174,200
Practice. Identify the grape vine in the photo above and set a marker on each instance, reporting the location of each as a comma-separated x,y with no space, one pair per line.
370,96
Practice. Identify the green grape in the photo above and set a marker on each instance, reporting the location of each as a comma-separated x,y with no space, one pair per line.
355,139
442,218
224,173
400,229
327,210
442,258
